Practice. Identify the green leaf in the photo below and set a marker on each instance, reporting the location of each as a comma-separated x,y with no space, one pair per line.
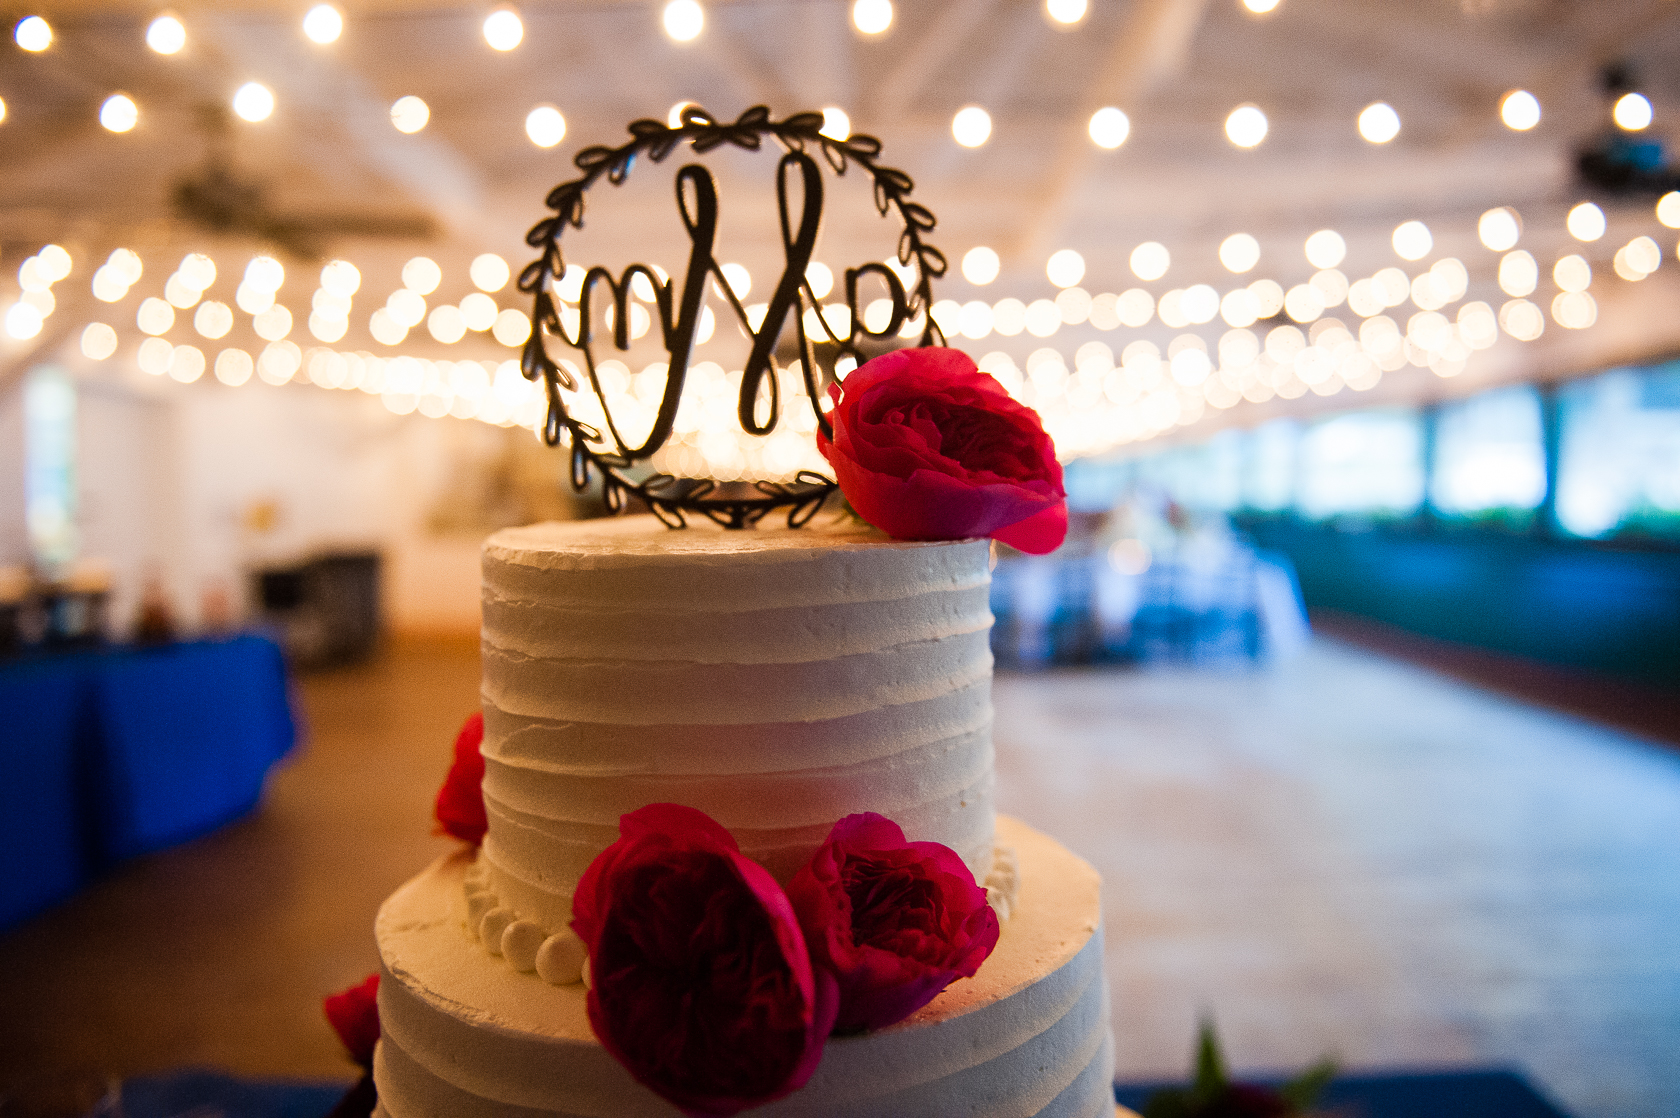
1303,1091
1173,1102
1211,1078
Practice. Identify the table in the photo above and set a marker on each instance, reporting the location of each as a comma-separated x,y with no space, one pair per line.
108,755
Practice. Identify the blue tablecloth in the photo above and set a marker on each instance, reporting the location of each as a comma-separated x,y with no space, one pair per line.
109,755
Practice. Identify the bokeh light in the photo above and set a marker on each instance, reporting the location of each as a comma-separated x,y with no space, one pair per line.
1520,110
971,126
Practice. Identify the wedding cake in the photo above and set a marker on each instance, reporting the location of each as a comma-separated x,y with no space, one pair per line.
778,681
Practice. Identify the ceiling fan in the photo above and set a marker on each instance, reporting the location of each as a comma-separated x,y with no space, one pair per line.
215,197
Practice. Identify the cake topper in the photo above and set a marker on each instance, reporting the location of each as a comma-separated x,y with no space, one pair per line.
799,197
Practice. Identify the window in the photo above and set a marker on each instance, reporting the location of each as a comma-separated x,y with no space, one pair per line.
49,437
1270,482
1364,464
1619,470
1490,457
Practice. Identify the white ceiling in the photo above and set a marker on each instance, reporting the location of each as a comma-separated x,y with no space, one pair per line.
1177,67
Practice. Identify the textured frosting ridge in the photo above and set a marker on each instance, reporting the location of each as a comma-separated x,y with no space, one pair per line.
463,1034
774,679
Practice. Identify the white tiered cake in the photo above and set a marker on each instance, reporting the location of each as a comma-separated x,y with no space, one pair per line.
777,680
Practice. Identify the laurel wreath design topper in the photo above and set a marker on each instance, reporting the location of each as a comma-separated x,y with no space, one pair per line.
607,451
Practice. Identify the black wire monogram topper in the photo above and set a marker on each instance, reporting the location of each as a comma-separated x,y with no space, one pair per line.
670,497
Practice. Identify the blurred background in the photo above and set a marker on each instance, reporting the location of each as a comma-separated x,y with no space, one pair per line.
1356,326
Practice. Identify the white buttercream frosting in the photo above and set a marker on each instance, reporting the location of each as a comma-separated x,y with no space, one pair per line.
775,679
465,1035
558,956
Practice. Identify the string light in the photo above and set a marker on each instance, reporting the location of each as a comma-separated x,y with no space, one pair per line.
1246,126
503,29
421,275
1632,112
1585,222
980,265
738,279
1379,123
119,113
684,20
836,124
341,278
674,117
1668,209
488,272
166,34
1260,7
1499,228
323,24
820,277
213,320
1520,110
971,126
1066,12
1150,260
23,321
33,33
1109,127
545,126
1325,249
1239,252
99,341
409,114
872,16
253,102
1412,240
1065,268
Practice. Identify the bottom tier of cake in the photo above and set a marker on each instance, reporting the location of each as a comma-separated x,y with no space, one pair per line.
465,1036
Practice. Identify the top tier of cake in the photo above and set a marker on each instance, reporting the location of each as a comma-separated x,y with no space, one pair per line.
775,679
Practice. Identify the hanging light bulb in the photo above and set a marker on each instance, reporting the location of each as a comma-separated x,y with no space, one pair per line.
972,126
1520,110
33,33
1109,127
119,113
253,102
323,24
872,16
503,29
1246,126
684,20
545,126
166,34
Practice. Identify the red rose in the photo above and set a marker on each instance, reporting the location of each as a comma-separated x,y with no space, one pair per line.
700,981
927,447
895,921
460,802
354,1016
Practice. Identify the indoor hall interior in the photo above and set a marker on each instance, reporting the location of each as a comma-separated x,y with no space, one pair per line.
1353,328
1351,853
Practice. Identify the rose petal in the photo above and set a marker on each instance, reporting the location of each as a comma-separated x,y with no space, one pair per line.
894,921
1040,533
672,900
925,446
354,1016
460,802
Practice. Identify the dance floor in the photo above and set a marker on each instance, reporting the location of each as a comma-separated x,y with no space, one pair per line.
1342,854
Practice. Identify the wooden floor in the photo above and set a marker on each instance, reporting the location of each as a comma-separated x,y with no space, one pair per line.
1344,853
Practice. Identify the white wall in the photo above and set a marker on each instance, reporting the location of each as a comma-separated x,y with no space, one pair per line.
175,481
14,534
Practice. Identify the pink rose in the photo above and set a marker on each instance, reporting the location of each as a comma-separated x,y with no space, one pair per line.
927,447
460,802
895,921
354,1016
700,981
